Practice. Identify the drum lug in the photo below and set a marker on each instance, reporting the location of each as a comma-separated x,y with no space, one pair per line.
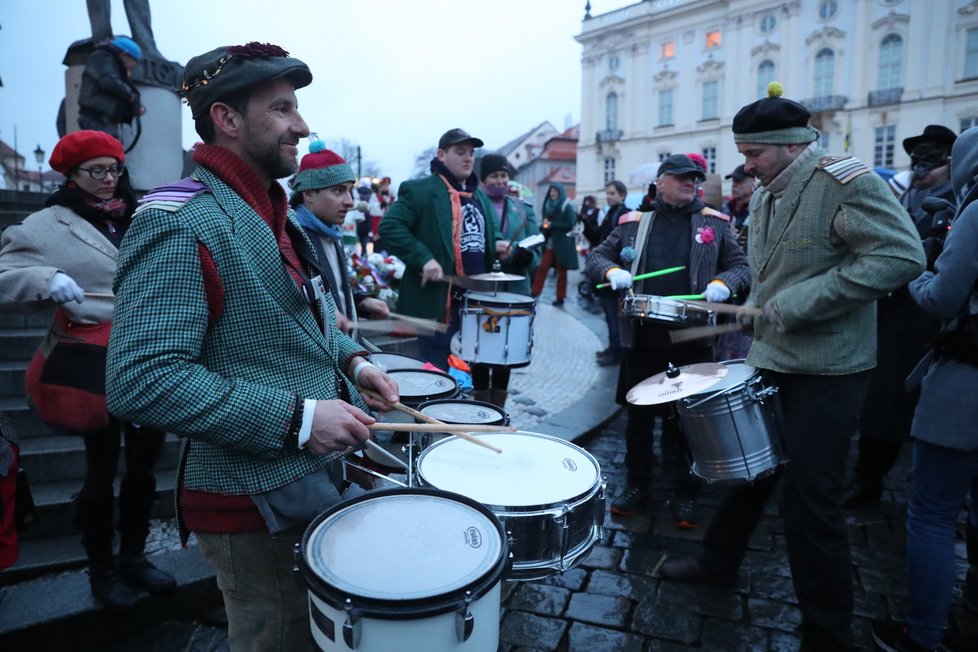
564,524
352,627
464,622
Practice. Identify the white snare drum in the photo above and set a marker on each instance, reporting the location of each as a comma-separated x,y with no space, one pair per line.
390,361
416,386
439,592
548,493
733,428
459,411
497,328
653,308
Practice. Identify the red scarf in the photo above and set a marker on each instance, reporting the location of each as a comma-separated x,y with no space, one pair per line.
269,202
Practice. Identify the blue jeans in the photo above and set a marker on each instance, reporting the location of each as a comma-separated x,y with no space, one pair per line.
941,480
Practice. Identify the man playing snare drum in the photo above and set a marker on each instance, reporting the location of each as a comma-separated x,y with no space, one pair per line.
827,238
678,230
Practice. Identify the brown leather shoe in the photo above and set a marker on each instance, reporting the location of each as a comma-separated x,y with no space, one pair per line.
689,570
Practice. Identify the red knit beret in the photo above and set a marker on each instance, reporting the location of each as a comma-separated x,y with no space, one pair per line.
80,146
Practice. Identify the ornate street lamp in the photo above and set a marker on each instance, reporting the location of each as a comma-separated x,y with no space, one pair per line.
39,157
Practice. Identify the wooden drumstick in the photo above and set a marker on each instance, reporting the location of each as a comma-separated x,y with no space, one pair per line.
100,295
397,405
459,430
701,332
728,308
423,323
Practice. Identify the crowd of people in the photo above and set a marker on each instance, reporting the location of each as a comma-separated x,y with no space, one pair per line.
161,310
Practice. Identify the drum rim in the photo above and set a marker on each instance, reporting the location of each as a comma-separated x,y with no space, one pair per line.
410,609
410,399
520,509
502,421
421,362
527,299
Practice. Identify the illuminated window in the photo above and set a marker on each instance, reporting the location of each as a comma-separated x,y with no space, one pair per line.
665,107
712,40
669,50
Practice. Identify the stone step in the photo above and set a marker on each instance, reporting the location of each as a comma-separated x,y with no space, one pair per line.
20,343
12,377
55,458
58,612
40,319
56,509
26,424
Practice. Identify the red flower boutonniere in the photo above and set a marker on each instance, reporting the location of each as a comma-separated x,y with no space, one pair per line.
704,235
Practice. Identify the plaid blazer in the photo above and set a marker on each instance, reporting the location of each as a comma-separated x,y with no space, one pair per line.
230,384
825,285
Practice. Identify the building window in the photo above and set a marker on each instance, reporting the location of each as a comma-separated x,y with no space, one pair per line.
828,9
665,107
710,102
968,123
824,72
710,154
765,75
611,111
883,146
609,170
664,155
713,39
613,62
669,50
767,24
891,62
971,54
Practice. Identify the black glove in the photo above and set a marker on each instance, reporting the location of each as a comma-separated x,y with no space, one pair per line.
521,257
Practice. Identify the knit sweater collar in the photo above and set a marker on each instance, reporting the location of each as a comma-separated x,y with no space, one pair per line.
780,183
269,201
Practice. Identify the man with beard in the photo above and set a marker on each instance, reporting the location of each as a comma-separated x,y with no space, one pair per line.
221,336
827,239
678,230
441,226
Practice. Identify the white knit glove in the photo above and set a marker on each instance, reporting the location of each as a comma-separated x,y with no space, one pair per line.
716,292
63,289
619,279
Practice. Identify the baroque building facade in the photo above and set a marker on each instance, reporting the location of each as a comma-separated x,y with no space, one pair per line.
662,77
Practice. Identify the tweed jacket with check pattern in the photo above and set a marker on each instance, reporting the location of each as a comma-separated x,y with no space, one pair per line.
230,385
825,278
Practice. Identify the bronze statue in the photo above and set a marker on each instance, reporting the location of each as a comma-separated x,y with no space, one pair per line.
137,12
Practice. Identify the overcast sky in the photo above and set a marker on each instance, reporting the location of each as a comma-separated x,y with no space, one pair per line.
391,75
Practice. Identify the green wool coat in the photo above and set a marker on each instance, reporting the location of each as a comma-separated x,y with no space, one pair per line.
231,383
824,283
562,220
418,227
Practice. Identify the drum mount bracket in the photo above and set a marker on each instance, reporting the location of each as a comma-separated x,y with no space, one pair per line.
464,621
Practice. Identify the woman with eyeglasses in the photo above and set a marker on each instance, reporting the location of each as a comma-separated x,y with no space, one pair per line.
64,256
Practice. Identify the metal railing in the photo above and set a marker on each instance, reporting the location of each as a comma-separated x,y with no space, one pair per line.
825,103
885,96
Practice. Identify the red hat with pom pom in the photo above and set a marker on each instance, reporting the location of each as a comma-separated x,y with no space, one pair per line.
321,168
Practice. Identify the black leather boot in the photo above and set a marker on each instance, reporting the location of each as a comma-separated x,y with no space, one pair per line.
138,572
109,587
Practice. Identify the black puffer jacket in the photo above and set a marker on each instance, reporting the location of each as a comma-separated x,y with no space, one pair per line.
106,91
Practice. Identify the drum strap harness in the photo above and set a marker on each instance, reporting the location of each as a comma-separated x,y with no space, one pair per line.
491,325
644,225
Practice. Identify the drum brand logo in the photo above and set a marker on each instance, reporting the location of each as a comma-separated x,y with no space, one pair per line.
569,464
473,537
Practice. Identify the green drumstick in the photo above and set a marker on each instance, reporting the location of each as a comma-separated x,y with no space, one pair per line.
639,277
686,297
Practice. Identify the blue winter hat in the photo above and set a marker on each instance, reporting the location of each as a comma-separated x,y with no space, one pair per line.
129,46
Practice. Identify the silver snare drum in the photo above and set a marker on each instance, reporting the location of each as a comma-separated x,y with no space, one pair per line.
548,493
458,411
733,428
654,308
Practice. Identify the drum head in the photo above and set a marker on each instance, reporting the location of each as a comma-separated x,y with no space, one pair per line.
388,361
499,299
738,372
459,411
420,385
533,470
403,547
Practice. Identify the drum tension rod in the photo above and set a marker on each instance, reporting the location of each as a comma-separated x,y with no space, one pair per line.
352,627
464,621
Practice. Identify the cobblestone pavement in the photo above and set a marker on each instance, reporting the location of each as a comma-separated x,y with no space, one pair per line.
614,602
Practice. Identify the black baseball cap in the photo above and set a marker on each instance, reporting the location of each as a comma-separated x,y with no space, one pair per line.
456,136
738,174
679,165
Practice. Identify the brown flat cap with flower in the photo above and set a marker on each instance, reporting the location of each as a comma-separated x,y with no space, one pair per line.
224,71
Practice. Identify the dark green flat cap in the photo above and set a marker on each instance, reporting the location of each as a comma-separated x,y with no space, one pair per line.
224,71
